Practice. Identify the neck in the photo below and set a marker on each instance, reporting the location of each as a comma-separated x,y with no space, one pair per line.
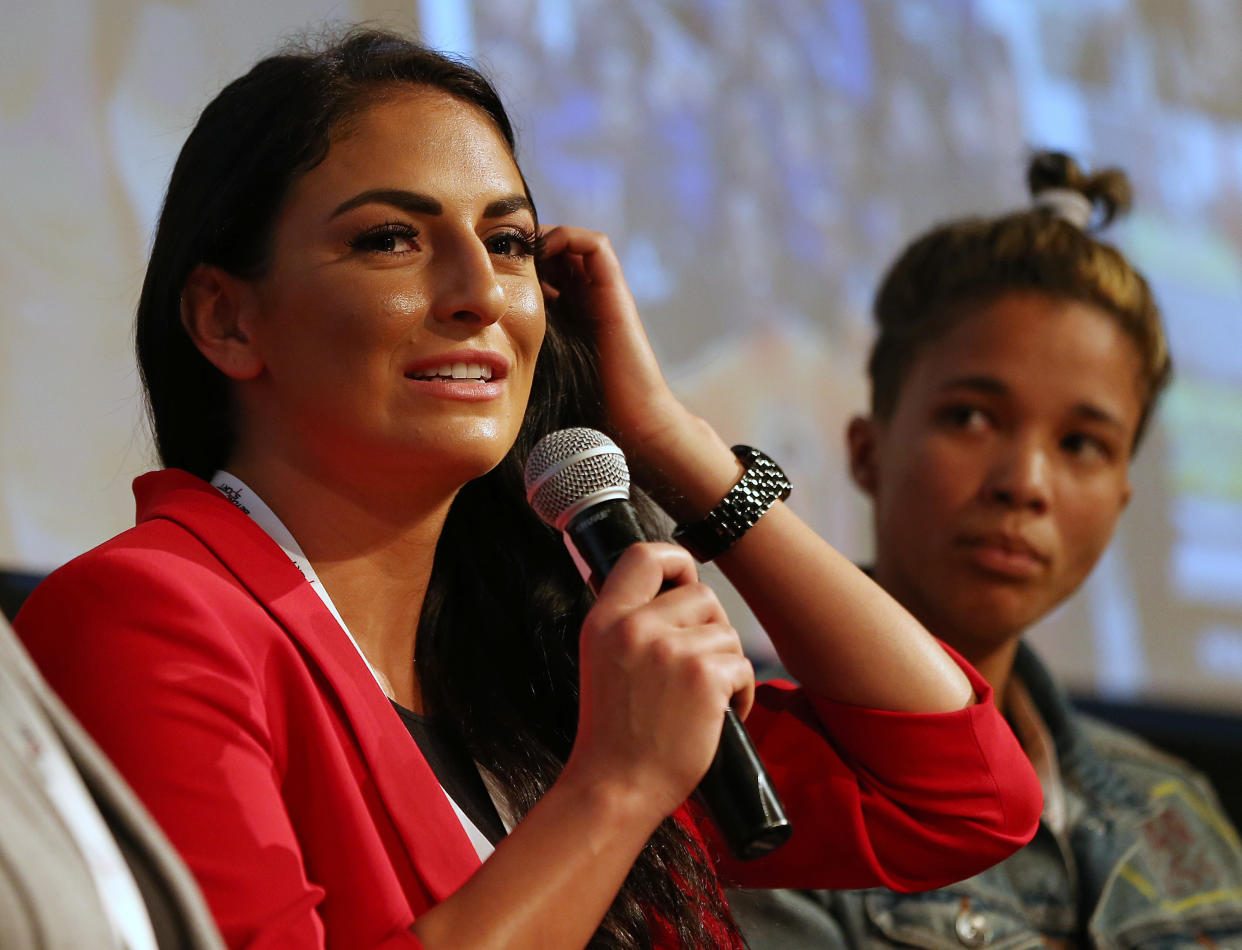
373,552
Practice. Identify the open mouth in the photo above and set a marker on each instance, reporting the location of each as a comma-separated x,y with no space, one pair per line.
468,371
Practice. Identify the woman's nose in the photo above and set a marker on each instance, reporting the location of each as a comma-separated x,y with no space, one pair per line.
1020,478
468,290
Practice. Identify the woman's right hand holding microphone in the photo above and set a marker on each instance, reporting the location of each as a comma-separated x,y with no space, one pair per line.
659,664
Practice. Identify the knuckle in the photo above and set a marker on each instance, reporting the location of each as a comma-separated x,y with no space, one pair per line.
703,676
746,669
663,651
630,633
724,636
642,553
598,619
704,593
590,627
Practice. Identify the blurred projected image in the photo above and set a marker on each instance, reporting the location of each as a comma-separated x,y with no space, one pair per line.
756,164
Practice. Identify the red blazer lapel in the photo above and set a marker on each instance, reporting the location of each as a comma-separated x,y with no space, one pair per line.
437,846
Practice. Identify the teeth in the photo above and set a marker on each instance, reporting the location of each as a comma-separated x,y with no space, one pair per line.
459,371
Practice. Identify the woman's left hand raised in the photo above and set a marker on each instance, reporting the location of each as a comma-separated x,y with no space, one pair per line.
664,441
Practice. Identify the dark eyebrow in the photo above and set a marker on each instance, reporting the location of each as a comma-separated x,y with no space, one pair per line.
991,386
410,201
416,203
504,206
983,384
1086,410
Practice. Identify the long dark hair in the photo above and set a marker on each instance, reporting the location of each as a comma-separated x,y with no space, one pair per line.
497,640
959,264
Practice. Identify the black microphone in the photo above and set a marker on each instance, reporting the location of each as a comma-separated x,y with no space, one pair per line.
578,482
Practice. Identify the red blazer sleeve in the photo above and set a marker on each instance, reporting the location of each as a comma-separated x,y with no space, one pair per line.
143,647
899,800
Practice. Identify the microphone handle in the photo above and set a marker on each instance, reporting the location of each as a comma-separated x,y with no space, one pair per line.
739,796
737,792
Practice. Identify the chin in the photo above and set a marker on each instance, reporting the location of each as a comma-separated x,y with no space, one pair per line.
467,454
995,619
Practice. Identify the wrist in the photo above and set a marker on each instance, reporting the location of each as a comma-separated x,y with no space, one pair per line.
762,484
686,468
615,801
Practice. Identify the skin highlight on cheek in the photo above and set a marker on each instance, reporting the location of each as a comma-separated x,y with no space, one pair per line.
401,304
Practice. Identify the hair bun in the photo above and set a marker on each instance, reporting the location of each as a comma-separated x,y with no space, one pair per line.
1107,192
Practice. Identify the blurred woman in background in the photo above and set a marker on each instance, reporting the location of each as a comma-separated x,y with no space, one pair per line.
1017,365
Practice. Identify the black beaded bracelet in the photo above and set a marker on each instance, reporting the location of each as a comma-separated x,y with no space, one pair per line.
760,487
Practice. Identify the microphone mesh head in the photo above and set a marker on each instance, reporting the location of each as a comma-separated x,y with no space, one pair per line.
572,469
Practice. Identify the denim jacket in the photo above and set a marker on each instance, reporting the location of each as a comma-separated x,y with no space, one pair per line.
1147,859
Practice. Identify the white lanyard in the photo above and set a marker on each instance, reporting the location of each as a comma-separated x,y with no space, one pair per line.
236,491
245,498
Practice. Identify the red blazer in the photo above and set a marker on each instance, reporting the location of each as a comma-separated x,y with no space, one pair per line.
226,693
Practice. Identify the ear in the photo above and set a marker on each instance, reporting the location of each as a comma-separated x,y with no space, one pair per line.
217,309
861,444
1127,491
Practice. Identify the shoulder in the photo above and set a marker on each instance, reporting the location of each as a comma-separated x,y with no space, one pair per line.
155,565
150,632
1137,758
191,551
153,604
1179,793
1095,754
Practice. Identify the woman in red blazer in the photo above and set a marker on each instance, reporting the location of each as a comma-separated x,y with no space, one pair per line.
336,594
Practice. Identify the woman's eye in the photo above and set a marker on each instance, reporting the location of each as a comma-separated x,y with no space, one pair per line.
1084,446
387,239
513,244
963,417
